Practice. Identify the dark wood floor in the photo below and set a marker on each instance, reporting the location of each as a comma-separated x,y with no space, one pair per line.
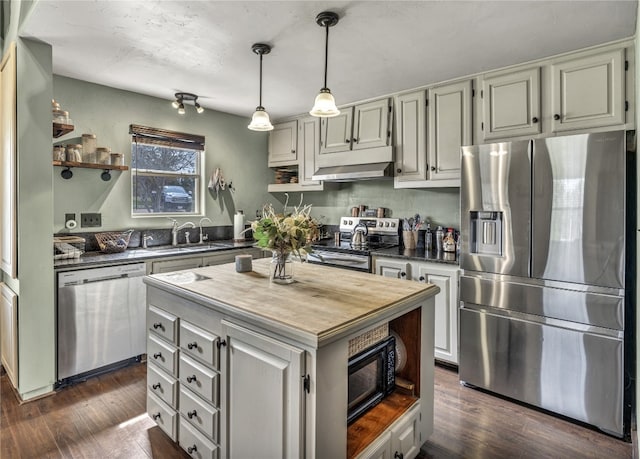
105,418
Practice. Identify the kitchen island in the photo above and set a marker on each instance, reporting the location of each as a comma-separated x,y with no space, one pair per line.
241,367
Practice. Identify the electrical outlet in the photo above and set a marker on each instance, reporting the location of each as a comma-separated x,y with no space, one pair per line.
68,217
90,220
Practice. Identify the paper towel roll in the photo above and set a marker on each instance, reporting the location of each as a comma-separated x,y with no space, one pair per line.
238,225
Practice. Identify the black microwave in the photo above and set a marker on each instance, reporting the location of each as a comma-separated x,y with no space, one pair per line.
371,377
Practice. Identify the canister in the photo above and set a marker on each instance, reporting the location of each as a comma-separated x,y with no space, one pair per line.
103,155
117,159
74,152
89,148
59,153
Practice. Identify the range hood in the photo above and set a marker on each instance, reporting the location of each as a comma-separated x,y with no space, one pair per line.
355,172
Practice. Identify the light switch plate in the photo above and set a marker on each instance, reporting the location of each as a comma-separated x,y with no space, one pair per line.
89,220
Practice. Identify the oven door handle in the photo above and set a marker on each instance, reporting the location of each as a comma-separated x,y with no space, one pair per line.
329,257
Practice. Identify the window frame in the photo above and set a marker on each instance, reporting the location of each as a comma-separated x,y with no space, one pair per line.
169,139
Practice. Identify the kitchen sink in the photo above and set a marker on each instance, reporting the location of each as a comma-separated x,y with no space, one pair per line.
187,248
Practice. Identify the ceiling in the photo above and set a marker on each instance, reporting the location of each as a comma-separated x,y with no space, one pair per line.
378,47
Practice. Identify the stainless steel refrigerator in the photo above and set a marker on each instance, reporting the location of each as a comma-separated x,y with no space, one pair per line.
547,291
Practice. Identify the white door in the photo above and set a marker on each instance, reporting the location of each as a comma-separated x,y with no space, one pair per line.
8,165
411,128
446,309
262,405
449,128
371,127
390,268
283,144
9,332
588,92
511,104
308,149
336,132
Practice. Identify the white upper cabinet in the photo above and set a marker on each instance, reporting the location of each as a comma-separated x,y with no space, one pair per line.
308,148
411,145
588,92
511,104
283,144
358,135
450,122
428,141
371,127
337,132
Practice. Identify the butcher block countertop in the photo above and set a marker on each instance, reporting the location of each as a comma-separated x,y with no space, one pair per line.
322,305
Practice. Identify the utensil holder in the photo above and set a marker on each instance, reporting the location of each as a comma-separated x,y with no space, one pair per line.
409,239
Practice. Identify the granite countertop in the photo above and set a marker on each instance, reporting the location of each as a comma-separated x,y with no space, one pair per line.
419,254
140,254
317,307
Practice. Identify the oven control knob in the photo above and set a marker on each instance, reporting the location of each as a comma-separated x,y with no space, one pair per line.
393,224
386,224
350,222
344,222
380,224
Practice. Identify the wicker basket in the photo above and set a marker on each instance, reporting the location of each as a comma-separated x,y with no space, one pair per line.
113,242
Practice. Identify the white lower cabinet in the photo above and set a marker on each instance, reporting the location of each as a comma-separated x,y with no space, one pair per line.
190,262
164,415
196,444
400,441
446,302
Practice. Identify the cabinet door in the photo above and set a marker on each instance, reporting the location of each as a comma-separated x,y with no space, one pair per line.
391,268
379,449
336,132
449,128
446,309
308,149
405,437
269,409
588,92
9,332
8,164
282,144
175,265
371,127
411,146
511,104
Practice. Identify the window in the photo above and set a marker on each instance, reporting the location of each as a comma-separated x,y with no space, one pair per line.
166,172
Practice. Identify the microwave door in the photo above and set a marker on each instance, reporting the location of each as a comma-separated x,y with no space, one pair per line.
495,197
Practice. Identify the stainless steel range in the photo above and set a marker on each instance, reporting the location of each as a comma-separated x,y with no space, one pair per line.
358,237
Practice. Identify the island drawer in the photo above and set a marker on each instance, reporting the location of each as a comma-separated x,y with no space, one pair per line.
162,323
162,385
196,444
162,354
199,413
199,343
164,416
200,379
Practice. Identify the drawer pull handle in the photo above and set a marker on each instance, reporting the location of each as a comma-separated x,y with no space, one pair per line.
158,325
192,345
556,117
155,416
191,414
156,386
157,355
421,279
221,343
398,455
192,449
191,379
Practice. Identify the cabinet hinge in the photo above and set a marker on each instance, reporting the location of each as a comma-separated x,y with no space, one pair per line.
389,108
473,93
626,105
306,383
626,65
482,126
481,94
388,133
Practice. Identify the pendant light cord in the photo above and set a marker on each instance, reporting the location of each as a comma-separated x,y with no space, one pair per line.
260,79
326,55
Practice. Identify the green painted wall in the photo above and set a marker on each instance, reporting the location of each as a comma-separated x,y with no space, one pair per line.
107,112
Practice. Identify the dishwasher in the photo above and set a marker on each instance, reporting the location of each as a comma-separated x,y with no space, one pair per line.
101,320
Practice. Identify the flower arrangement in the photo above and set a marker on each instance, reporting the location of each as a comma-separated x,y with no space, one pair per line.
289,232
285,233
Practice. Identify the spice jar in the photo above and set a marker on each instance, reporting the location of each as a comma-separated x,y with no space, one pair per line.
61,116
103,155
89,148
74,152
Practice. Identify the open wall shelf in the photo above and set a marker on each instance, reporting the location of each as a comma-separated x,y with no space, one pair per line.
106,168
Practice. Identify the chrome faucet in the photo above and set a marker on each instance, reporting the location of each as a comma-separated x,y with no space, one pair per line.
204,237
175,228
146,238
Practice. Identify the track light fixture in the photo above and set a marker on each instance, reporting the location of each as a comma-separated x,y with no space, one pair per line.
181,97
260,120
325,104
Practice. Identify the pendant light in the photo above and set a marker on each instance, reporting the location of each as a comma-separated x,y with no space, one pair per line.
325,104
260,119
